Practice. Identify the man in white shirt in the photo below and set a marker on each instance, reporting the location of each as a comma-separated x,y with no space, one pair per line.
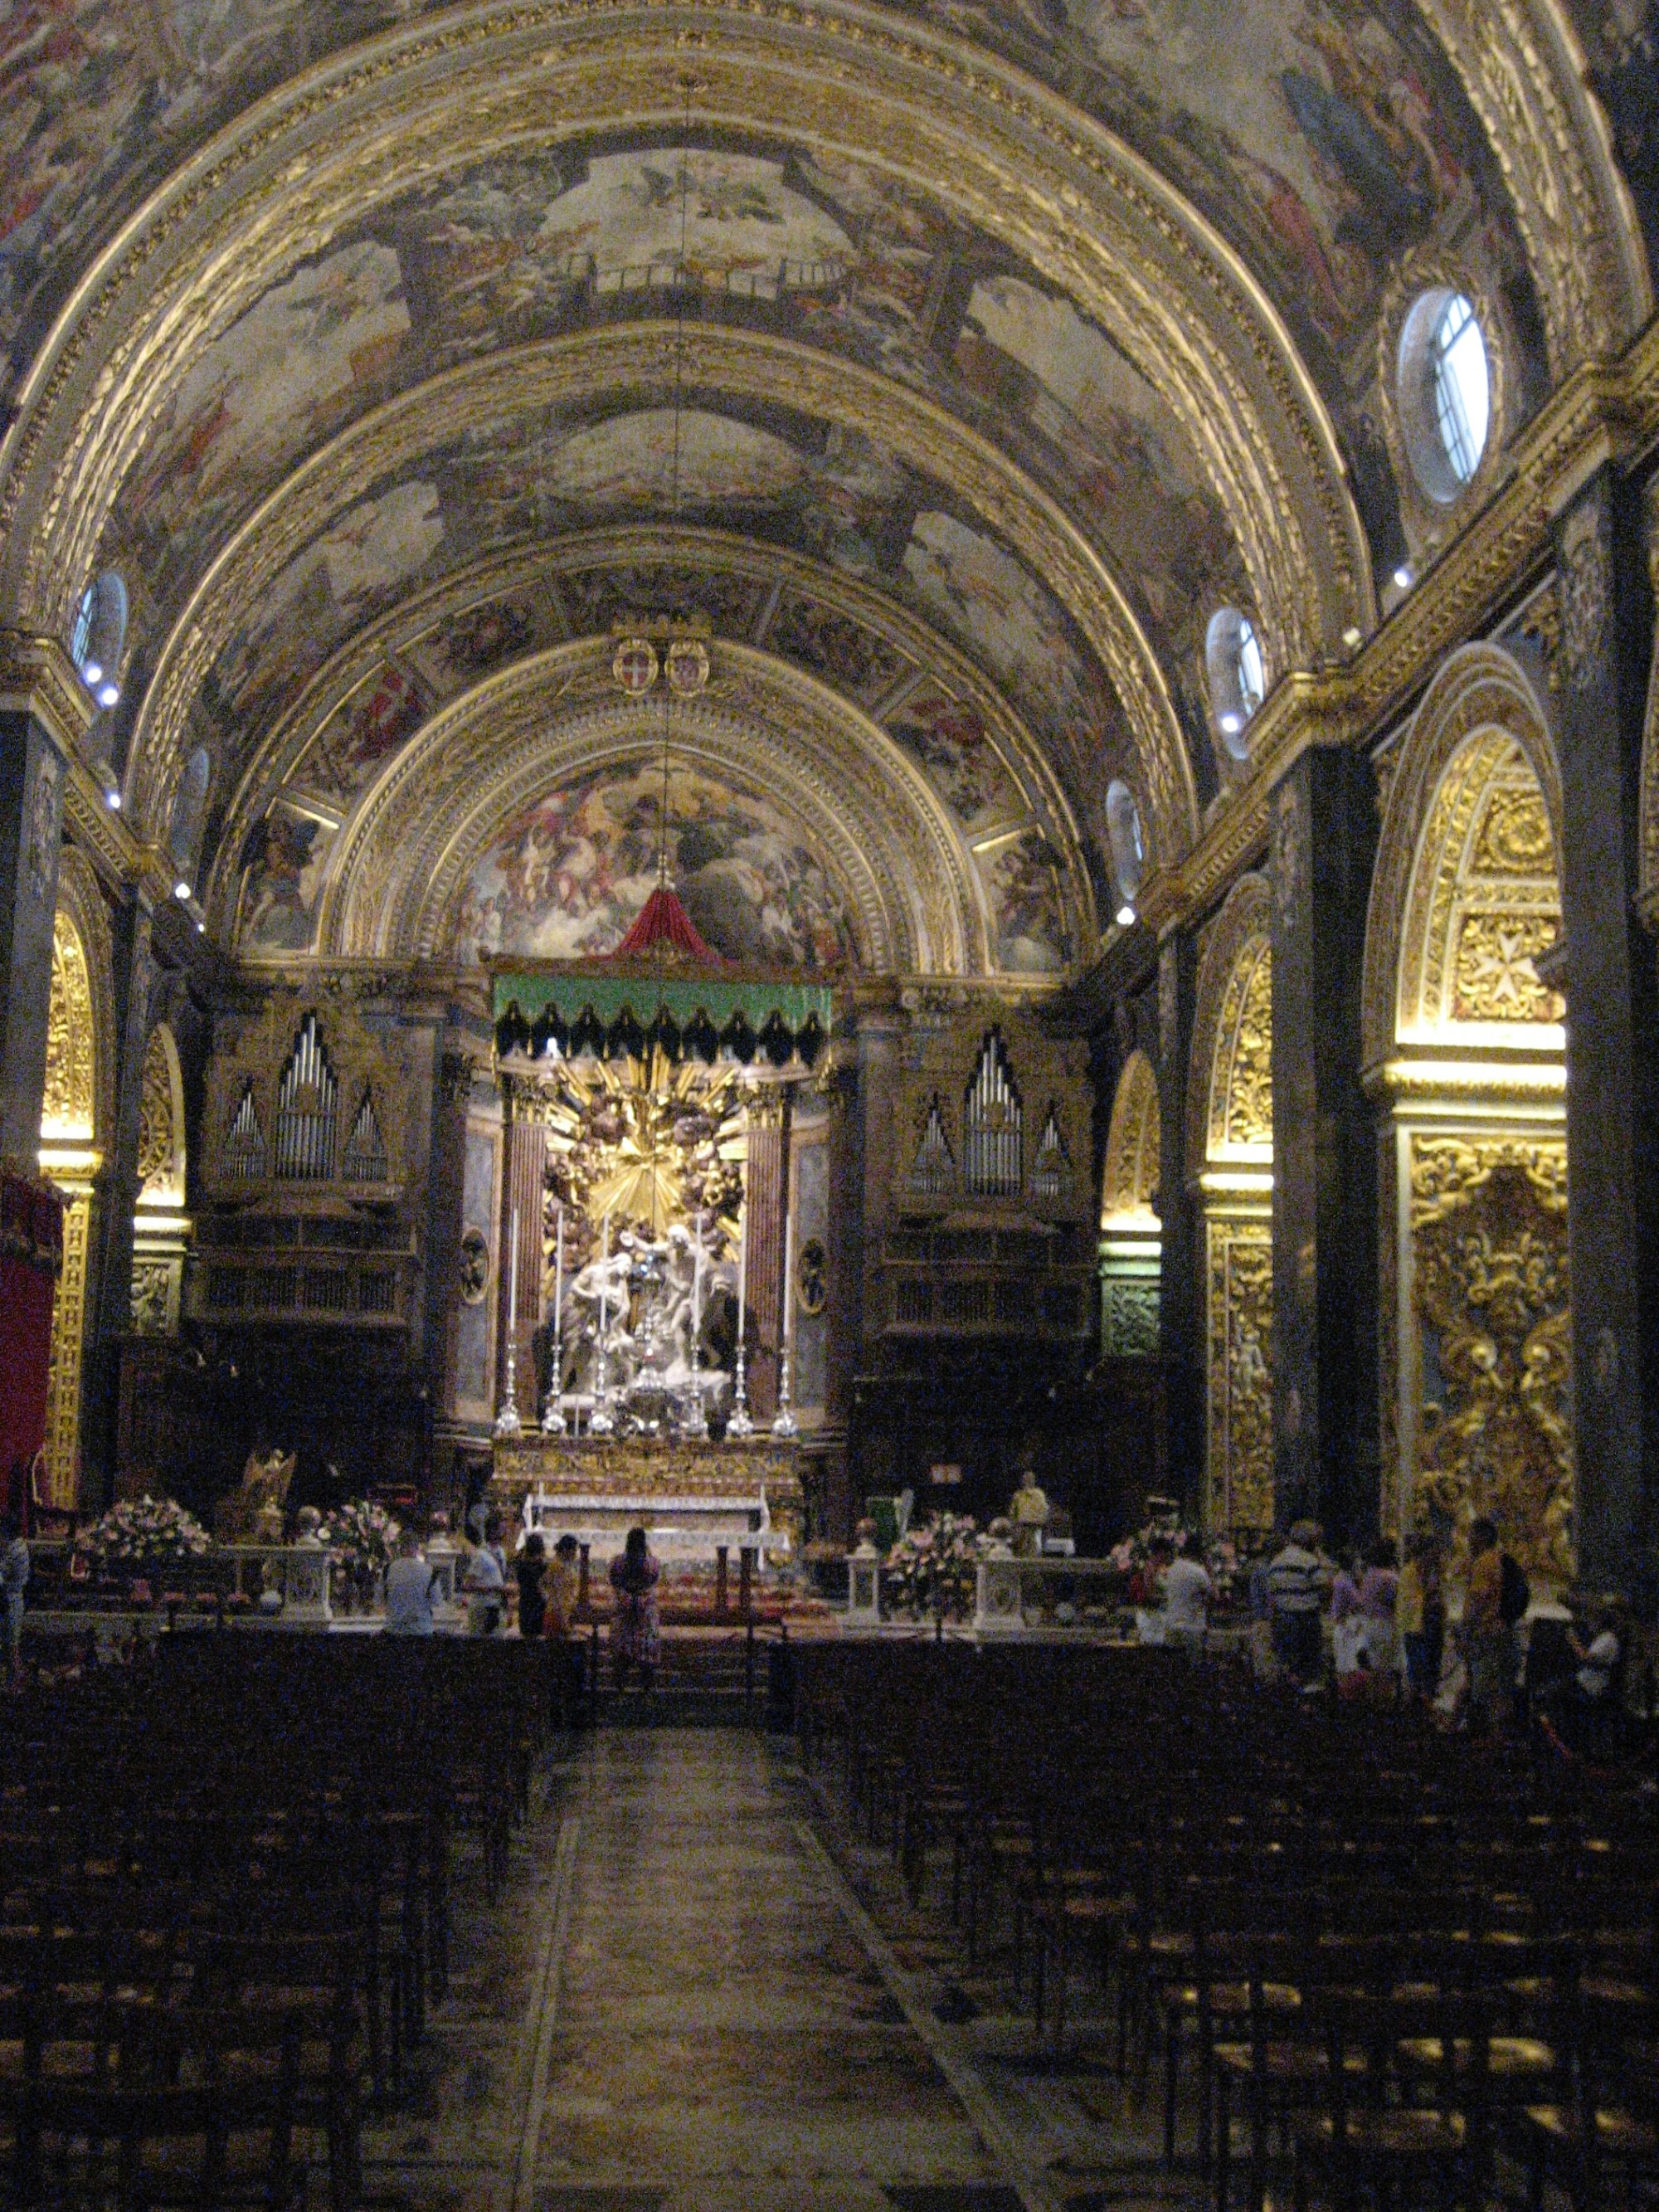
410,1583
486,1581
1187,1591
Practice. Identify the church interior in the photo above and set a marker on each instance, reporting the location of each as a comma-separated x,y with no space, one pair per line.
828,1072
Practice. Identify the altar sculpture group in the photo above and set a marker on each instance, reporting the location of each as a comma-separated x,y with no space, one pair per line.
631,1329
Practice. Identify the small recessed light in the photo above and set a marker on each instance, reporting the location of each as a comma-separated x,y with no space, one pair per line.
1126,915
1404,577
92,673
112,801
108,694
201,929
181,889
1351,637
1232,724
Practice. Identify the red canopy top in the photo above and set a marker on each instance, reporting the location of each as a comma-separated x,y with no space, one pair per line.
664,929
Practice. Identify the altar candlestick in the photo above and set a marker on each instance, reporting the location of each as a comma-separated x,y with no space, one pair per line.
553,1422
558,1276
599,1422
740,1424
697,1294
743,1259
513,1276
786,1424
789,1265
508,1423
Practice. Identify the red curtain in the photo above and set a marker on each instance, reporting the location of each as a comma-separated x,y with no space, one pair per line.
31,1253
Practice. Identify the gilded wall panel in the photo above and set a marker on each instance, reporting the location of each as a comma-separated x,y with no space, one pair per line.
1490,1363
1239,1276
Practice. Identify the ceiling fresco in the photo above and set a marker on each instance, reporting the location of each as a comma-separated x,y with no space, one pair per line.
1330,145
950,734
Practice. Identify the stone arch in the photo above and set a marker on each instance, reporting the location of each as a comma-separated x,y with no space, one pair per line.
1131,1235
160,1230
1230,1140
76,1122
1129,1187
1480,693
1464,1040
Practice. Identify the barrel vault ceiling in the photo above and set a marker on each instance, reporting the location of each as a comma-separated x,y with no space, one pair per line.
1005,343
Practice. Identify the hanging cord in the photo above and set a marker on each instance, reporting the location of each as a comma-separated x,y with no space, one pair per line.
681,278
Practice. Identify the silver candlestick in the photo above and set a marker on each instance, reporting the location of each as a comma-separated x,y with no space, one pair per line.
553,1421
740,1424
786,1424
508,1423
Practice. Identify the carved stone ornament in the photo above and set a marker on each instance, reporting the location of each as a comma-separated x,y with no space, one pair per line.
474,1267
1130,1323
1289,853
1239,1363
1586,591
42,830
1130,1185
69,1105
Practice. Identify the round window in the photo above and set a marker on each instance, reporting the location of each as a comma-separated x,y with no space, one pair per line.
1445,392
1238,673
1129,848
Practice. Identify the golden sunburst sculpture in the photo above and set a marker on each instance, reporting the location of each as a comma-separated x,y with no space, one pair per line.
649,1143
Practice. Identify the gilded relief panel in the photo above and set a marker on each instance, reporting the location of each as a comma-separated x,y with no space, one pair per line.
1492,1316
1239,1275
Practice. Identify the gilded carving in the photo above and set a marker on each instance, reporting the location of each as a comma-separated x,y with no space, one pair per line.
68,1319
1240,1370
1494,977
1130,1324
160,1177
1513,837
1241,1087
1490,1297
67,1112
1130,1185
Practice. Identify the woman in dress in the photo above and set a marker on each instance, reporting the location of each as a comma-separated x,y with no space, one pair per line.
633,1625
530,1571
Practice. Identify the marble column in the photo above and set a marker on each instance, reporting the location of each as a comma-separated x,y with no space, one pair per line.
881,1037
109,1304
524,1157
844,1245
32,772
1327,1455
445,1222
1181,1268
1611,1031
765,1192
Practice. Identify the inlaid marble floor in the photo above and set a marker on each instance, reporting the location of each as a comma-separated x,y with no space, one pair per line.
686,2002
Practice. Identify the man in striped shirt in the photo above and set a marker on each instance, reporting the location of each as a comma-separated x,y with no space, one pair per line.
1297,1582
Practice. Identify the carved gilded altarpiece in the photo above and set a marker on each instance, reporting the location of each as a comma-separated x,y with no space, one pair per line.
67,1131
1492,1341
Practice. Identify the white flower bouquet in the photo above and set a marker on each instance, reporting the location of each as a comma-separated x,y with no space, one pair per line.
145,1532
361,1534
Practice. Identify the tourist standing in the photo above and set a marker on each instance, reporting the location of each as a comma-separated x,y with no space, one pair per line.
1187,1593
530,1571
1488,1638
634,1624
14,1580
1379,1595
486,1581
410,1580
1298,1580
562,1595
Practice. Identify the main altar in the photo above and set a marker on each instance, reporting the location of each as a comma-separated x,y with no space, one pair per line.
695,1497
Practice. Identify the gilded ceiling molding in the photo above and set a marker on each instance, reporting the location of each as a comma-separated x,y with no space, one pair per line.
1481,690
914,899
640,359
991,145
1603,413
1237,942
1583,243
276,761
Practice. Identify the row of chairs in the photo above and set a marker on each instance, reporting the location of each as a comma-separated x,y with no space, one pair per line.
1392,1951
226,1885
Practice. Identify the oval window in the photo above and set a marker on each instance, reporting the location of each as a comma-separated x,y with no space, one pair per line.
1445,392
1238,673
99,636
1129,848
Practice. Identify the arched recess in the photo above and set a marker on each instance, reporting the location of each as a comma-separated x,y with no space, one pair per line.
396,880
76,1112
1131,1234
1465,1043
160,1229
1230,1134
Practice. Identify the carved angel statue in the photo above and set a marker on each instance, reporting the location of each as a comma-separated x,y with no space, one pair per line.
253,1512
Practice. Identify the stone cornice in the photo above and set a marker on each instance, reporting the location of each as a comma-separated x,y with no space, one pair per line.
38,678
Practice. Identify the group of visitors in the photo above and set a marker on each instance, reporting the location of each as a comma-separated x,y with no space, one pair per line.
548,1593
1389,1628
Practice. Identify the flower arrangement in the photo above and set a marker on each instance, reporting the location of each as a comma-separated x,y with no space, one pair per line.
145,1532
934,1567
363,1534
